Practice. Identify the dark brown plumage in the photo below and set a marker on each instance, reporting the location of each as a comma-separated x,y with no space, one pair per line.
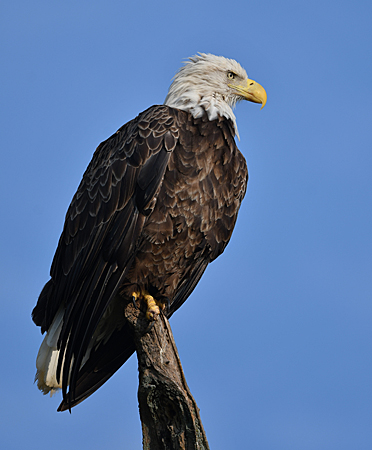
155,206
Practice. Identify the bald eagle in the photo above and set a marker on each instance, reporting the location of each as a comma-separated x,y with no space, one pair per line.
157,203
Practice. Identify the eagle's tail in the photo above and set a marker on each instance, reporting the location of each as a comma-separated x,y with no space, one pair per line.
47,358
99,363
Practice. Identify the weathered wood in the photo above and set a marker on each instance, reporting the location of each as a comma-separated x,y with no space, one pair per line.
169,415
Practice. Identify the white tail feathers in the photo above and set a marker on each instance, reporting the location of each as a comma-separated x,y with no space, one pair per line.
47,358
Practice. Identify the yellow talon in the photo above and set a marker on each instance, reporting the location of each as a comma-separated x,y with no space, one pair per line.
152,308
134,298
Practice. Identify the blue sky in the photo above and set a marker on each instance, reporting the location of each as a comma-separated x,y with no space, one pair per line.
276,340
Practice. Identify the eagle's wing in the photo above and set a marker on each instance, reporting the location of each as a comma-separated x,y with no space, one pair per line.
103,362
102,226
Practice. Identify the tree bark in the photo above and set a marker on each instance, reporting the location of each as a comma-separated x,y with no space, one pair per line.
169,415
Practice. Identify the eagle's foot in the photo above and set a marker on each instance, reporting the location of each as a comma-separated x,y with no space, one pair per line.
134,298
152,306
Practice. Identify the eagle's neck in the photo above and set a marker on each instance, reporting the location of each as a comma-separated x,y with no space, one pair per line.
198,104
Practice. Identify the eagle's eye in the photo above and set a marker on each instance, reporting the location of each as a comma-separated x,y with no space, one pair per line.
231,75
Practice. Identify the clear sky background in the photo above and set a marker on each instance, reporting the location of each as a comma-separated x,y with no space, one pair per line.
276,341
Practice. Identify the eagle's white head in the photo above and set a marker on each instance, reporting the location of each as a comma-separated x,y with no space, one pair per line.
213,85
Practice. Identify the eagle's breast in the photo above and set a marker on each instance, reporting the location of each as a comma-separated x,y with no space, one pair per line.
196,206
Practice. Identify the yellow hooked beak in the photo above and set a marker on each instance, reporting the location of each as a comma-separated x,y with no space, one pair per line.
252,91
